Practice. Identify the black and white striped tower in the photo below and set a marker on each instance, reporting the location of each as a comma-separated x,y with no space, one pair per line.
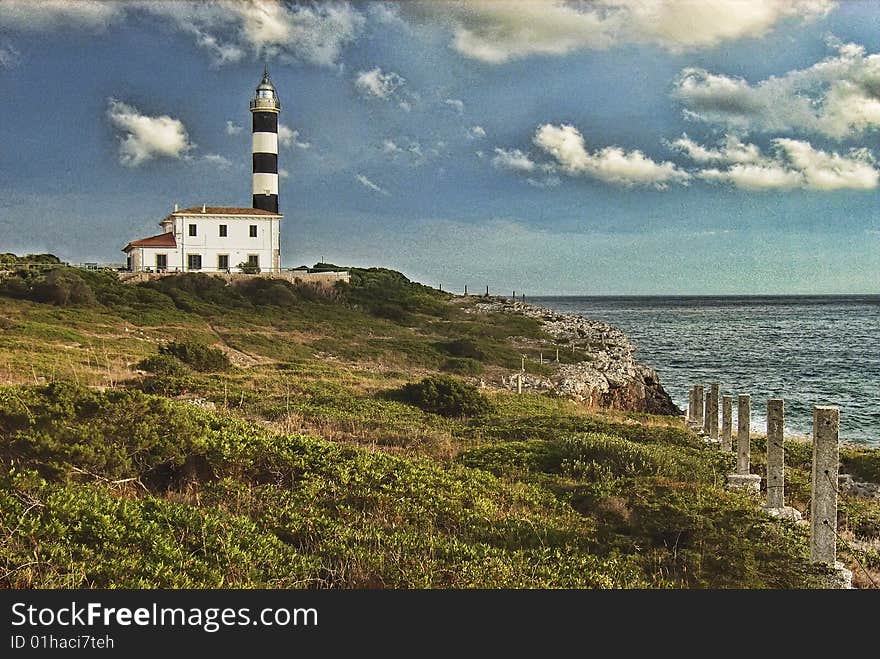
265,108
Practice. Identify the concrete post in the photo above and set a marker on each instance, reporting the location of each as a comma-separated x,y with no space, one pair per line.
557,355
743,440
823,509
826,428
519,383
690,410
775,453
714,396
727,423
699,407
743,479
465,290
523,365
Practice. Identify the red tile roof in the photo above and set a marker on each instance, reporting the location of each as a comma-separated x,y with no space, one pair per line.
223,210
161,240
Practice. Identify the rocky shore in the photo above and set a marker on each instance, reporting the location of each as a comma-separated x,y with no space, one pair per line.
605,372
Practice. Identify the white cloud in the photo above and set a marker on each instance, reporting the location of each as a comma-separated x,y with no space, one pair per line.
367,183
611,164
406,106
514,160
283,173
378,84
390,146
731,150
230,29
289,137
455,103
793,164
9,56
217,160
497,31
27,15
233,128
838,97
143,137
477,132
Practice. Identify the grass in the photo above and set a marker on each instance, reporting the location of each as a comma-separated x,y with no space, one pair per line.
297,467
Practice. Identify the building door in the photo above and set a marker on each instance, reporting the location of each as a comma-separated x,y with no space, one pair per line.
194,262
161,262
253,262
223,262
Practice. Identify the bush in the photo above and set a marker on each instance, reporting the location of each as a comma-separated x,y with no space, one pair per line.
198,356
63,288
462,366
465,348
445,396
162,364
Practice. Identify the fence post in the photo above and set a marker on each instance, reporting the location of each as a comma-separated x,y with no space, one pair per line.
775,453
714,395
727,423
699,408
743,479
823,509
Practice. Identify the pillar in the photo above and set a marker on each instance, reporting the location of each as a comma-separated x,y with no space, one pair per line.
743,440
742,479
727,423
714,396
699,407
775,453
823,511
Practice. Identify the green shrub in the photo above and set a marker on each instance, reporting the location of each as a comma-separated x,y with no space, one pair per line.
462,366
465,348
162,364
62,287
199,356
445,396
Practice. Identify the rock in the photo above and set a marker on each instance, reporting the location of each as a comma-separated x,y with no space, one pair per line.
609,377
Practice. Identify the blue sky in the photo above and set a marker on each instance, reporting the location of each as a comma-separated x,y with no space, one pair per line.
608,147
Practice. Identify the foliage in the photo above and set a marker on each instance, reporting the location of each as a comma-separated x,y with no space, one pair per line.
162,364
462,366
59,286
199,356
446,396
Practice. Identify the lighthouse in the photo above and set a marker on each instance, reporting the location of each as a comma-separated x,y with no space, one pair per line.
265,109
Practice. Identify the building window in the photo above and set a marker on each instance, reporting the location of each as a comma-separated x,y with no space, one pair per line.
192,229
222,230
161,262
223,262
194,262
253,231
253,261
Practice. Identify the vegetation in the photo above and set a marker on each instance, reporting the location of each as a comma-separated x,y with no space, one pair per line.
446,396
197,355
336,453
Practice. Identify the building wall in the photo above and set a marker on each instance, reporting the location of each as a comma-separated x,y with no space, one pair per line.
293,276
238,244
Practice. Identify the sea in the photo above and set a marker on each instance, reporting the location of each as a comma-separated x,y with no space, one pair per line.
813,350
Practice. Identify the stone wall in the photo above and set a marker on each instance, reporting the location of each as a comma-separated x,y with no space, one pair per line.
293,276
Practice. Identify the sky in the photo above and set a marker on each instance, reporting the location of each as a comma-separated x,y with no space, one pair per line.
630,147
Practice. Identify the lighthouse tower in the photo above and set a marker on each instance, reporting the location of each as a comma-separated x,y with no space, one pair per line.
265,109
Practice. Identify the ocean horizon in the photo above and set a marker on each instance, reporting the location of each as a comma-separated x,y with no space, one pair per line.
806,349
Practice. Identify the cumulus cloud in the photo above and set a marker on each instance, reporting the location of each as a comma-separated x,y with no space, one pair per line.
367,183
455,103
233,128
229,30
27,15
477,132
793,164
838,97
377,83
289,137
513,160
611,164
497,31
731,150
143,138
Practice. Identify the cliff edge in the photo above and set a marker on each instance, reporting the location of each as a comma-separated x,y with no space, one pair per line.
607,376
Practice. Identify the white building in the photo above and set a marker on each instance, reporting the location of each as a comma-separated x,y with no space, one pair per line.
211,239
220,238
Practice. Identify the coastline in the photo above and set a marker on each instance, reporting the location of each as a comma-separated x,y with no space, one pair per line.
602,372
